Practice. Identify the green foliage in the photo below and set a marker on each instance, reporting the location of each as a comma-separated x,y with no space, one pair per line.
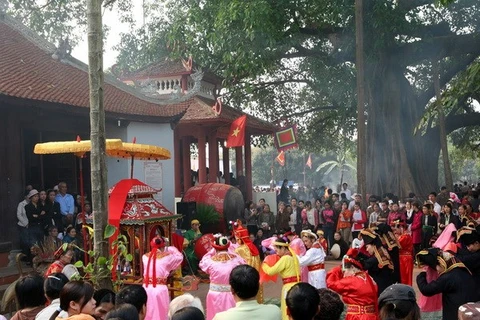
99,267
207,214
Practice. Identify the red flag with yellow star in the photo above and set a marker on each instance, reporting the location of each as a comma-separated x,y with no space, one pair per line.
236,136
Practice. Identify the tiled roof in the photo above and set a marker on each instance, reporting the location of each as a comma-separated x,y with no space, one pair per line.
27,70
202,109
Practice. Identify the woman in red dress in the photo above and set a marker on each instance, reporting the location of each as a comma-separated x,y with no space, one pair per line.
357,288
406,251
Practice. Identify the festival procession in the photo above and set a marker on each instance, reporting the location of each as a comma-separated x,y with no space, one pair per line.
249,159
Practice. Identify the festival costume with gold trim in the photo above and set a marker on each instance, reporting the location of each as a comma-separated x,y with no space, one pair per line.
287,267
157,267
406,254
219,266
359,291
248,251
455,283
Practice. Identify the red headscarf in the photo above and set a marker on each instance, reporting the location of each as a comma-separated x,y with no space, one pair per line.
155,245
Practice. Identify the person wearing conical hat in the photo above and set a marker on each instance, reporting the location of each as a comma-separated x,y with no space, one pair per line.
218,263
287,267
454,282
378,264
157,265
358,290
248,251
406,251
314,259
470,253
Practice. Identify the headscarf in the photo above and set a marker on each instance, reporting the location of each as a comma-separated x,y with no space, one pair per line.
156,244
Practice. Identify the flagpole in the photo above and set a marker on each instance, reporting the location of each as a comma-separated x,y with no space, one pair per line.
304,169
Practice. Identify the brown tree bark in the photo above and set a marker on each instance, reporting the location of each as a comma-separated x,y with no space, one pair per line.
97,133
441,125
361,137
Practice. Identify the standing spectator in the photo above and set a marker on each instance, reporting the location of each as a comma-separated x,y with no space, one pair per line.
359,218
282,219
357,197
429,225
409,212
244,281
443,196
54,215
53,285
266,220
319,208
251,216
23,226
432,197
302,302
67,204
348,193
416,227
284,192
447,217
395,214
35,214
398,302
330,305
373,220
309,217
297,214
261,203
382,218
344,224
30,297
329,223
135,295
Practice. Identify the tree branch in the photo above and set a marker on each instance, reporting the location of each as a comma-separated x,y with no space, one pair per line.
455,122
407,5
301,113
324,31
446,77
440,47
435,30
262,85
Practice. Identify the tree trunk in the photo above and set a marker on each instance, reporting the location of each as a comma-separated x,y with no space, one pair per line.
361,137
441,124
398,161
97,132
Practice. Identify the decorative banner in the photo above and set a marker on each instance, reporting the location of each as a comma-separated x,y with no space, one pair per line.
309,161
286,138
281,158
236,136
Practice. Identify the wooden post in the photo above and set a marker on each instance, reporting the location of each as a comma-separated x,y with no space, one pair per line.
213,157
226,163
238,160
248,167
187,166
177,163
202,158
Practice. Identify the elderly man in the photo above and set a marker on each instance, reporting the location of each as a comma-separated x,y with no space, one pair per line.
67,204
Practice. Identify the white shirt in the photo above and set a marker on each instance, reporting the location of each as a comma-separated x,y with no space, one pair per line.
437,208
21,214
47,312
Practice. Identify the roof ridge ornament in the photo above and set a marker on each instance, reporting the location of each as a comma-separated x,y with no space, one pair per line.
64,49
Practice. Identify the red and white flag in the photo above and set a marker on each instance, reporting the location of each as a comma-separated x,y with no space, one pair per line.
281,158
309,161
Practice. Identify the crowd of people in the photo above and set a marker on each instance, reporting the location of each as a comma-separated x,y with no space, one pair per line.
47,219
378,246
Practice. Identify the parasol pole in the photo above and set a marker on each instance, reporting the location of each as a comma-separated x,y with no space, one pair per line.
131,167
84,218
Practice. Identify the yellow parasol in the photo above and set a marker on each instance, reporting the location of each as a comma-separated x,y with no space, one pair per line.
140,152
78,148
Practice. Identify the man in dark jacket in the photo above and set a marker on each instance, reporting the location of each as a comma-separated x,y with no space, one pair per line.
455,282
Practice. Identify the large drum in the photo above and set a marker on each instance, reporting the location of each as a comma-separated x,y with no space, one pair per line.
203,245
227,200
